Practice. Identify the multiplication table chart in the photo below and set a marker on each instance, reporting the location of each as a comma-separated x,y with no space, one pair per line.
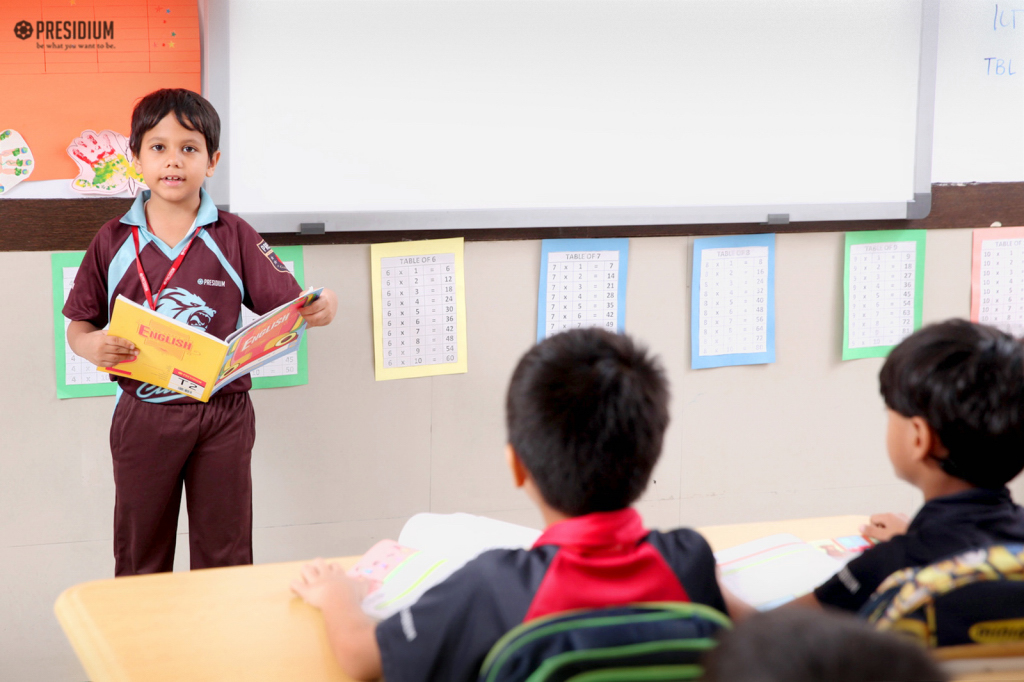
79,378
419,308
997,271
733,301
76,377
582,284
883,283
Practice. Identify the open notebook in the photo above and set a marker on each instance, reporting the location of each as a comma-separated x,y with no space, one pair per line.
400,572
778,568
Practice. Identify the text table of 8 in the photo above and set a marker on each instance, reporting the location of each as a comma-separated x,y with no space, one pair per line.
418,310
882,282
733,290
583,290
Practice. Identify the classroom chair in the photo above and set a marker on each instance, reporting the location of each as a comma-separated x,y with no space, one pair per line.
973,598
650,641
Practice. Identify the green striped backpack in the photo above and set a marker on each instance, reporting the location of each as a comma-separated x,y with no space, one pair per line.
639,642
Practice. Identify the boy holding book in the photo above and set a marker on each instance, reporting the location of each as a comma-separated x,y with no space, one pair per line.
955,396
176,253
586,412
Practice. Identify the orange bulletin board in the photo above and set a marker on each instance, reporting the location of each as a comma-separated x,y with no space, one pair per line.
72,65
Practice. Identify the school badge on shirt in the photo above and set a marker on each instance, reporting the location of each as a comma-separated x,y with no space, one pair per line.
271,256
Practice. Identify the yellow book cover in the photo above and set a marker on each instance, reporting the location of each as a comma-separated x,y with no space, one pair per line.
171,355
188,360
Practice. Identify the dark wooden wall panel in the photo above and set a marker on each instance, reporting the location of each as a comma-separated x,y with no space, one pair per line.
69,224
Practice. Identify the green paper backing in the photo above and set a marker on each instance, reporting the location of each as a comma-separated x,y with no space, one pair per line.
59,261
73,259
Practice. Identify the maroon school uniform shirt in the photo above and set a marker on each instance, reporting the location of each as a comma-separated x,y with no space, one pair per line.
227,265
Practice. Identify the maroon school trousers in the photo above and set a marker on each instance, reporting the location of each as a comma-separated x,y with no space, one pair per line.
157,449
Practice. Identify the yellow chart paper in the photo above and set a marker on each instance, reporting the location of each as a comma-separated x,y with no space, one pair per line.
419,309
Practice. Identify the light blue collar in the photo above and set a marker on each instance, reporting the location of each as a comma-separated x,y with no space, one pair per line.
136,215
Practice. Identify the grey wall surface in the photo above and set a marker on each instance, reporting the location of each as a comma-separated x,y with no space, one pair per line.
344,461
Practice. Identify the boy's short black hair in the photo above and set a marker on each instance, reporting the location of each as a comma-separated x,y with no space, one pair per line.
587,411
966,381
191,110
805,645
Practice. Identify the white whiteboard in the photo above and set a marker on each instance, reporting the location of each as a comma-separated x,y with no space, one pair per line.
979,92
399,114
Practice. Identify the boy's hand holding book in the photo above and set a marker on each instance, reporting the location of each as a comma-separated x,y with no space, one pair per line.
99,347
321,311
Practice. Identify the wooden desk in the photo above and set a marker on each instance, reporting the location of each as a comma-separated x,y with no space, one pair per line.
723,537
218,624
244,623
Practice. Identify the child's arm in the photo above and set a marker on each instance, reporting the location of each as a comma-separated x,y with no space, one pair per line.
883,527
321,311
96,346
351,633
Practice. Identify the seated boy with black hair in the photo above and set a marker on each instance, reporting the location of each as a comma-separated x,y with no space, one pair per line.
586,412
955,395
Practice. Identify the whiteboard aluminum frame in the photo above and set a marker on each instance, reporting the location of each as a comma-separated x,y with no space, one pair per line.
215,18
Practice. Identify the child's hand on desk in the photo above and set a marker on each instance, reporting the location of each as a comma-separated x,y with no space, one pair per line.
322,584
321,311
351,633
883,527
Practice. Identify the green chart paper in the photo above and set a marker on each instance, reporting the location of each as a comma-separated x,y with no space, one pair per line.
78,378
883,288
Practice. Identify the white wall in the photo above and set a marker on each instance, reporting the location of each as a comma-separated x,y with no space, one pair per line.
345,461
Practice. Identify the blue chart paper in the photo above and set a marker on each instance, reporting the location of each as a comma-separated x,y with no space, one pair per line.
732,320
582,284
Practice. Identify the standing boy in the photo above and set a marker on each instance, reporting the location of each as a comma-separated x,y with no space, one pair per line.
955,395
177,254
586,413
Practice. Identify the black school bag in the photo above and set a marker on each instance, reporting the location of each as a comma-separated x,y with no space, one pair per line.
975,597
651,641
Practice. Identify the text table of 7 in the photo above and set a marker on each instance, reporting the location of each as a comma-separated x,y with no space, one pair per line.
583,290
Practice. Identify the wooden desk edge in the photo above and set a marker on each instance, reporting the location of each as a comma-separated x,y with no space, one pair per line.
93,652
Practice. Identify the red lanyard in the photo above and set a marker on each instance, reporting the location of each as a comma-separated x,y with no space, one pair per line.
170,273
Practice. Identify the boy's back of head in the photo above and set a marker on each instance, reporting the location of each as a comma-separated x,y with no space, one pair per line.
804,645
586,412
966,381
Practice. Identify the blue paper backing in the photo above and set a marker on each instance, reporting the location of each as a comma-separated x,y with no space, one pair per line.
702,362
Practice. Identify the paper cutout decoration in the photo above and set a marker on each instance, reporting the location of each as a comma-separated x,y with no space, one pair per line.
997,279
419,308
883,288
16,162
104,164
582,284
733,301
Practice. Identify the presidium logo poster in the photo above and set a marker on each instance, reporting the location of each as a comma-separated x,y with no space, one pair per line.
70,73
